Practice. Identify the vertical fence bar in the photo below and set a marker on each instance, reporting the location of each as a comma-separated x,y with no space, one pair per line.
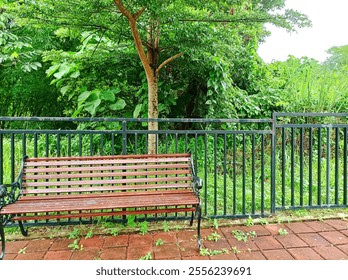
12,157
328,163
337,166
253,173
215,173
234,174
90,144
47,147
124,138
345,166
263,176
35,145
310,167
205,174
225,173
80,144
273,163
244,176
319,166
69,144
283,165
292,167
58,144
24,144
102,144
301,165
1,158
113,143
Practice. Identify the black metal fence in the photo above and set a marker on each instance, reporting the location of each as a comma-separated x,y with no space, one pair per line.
250,167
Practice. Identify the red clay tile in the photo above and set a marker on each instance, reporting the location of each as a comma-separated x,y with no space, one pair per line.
251,256
274,228
58,255
335,237
227,231
31,256
116,253
218,245
298,227
136,252
290,241
304,254
241,245
338,224
230,256
330,253
345,232
314,239
267,243
136,240
38,245
166,251
278,254
15,246
188,249
61,244
343,248
85,254
259,229
166,237
319,226
93,242
196,258
116,241
10,257
187,235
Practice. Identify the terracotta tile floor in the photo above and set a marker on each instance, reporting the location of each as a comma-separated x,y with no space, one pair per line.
299,241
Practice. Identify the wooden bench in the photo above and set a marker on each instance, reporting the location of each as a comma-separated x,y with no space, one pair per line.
63,188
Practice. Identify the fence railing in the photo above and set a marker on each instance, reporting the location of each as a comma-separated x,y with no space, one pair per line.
250,167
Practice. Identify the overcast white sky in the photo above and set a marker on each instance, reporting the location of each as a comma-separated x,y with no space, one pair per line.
329,28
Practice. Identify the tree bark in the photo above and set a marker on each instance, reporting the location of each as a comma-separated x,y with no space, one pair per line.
152,114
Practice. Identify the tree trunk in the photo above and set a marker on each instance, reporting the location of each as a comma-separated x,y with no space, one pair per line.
152,114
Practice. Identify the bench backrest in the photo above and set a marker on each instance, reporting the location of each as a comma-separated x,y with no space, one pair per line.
87,174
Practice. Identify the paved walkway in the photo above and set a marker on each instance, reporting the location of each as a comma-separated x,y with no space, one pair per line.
313,240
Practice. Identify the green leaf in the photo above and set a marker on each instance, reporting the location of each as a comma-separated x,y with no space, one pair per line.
50,71
137,110
63,70
107,96
91,106
75,75
119,105
83,96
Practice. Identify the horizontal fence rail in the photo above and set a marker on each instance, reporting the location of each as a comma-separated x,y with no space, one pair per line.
249,167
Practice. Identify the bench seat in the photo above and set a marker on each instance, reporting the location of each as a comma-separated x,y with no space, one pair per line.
96,186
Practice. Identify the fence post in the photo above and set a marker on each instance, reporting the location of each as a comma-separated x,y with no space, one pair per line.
273,162
124,137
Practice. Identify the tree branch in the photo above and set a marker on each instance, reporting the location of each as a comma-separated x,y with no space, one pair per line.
164,63
139,13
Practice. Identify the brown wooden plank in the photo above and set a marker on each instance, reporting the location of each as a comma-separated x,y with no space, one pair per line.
50,191
78,162
108,168
103,214
104,174
105,182
100,203
132,194
141,156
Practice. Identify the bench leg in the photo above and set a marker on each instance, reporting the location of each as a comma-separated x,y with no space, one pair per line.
192,216
2,236
23,230
199,214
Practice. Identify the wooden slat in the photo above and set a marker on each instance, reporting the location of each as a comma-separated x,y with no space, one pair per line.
104,174
177,155
104,162
130,195
105,182
50,191
100,203
108,168
103,214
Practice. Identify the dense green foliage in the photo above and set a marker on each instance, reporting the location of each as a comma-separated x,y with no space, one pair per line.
78,59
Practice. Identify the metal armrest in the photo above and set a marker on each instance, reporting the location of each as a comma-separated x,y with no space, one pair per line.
198,182
3,190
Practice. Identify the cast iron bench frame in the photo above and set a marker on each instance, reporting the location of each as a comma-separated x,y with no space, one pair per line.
94,186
